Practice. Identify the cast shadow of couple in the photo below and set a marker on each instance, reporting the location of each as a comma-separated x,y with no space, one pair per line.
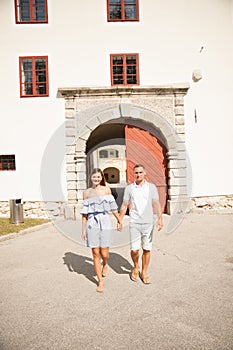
83,265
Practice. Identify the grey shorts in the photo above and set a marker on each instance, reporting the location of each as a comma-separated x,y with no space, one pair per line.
141,236
99,231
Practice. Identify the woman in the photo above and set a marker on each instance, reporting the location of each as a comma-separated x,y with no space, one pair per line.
96,222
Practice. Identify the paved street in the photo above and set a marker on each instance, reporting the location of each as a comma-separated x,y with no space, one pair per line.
49,300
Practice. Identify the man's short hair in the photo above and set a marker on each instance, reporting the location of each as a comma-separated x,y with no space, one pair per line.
138,166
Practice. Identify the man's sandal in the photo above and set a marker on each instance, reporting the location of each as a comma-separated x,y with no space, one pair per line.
134,275
146,280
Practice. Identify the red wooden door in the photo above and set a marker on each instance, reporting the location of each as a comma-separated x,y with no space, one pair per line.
144,148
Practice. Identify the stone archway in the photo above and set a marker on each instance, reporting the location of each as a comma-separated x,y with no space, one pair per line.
106,105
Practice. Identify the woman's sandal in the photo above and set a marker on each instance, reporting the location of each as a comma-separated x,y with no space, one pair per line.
134,275
100,287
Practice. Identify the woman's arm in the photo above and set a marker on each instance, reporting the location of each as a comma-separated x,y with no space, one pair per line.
84,222
117,216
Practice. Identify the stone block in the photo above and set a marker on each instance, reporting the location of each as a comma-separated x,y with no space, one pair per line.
71,185
177,181
72,194
70,140
81,176
197,75
177,191
70,123
180,129
51,206
70,114
179,111
179,101
81,185
81,145
105,116
69,103
69,212
125,109
176,164
173,173
70,159
71,132
179,120
70,149
93,123
71,177
81,166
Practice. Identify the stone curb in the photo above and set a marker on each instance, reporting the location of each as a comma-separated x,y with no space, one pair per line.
25,231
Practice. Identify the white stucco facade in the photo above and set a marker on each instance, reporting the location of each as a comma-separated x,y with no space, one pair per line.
172,38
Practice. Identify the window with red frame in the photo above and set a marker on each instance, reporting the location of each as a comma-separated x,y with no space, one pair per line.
33,76
122,10
7,162
124,69
31,11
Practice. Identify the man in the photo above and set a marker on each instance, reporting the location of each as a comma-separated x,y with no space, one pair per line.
143,201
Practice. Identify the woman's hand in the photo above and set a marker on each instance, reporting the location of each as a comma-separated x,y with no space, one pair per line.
119,226
83,236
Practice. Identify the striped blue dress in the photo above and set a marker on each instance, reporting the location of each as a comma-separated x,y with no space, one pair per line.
99,226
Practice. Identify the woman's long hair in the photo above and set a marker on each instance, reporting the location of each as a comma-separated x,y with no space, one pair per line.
98,170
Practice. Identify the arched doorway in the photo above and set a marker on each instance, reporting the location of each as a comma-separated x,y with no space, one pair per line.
159,110
143,144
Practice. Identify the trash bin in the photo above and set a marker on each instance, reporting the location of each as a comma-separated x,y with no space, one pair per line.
16,211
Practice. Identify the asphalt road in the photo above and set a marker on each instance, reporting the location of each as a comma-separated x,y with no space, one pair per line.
49,301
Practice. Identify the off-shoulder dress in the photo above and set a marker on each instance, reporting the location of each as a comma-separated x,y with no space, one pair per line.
99,226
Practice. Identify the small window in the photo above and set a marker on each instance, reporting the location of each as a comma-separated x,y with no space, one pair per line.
33,76
122,10
110,153
103,154
124,69
7,162
31,11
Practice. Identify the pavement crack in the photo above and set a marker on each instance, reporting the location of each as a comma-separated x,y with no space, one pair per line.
164,252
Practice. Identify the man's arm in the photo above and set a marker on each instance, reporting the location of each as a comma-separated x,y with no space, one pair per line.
157,210
123,209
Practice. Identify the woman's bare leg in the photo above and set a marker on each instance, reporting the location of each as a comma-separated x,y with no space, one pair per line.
105,256
97,265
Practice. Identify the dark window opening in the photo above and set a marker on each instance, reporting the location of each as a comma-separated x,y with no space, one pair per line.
33,76
31,11
124,69
7,162
122,10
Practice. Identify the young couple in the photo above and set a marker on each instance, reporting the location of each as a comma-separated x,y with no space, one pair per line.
141,197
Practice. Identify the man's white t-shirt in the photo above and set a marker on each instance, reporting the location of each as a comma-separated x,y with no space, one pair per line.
140,199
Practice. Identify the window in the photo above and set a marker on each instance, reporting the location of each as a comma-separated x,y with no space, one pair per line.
122,10
31,11
33,76
7,162
110,153
124,69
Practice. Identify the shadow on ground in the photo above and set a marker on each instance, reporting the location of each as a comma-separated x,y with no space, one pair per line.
83,265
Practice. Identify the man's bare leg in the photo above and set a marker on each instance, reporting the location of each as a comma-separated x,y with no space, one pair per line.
145,263
135,258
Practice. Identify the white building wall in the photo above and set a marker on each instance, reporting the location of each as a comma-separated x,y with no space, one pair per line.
78,41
